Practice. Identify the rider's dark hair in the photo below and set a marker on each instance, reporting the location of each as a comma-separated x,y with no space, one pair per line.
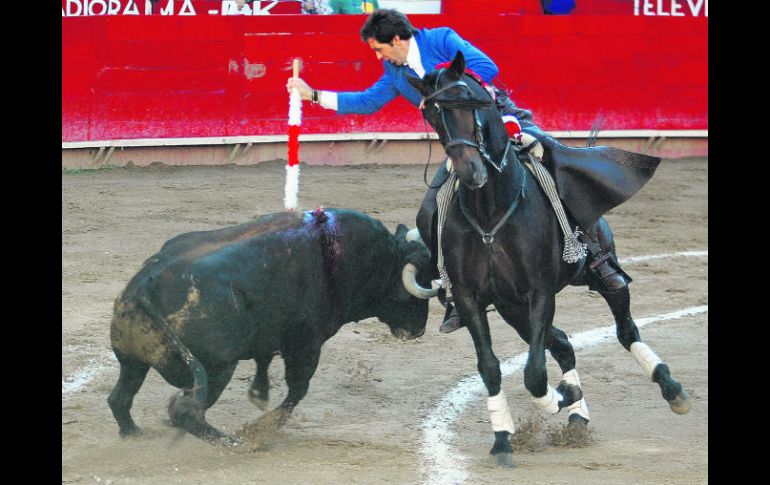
384,24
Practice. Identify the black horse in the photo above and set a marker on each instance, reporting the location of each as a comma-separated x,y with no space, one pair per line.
503,246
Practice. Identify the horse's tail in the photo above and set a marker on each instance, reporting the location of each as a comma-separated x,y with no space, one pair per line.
593,134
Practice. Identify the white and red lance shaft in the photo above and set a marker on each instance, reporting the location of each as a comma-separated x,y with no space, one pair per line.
292,166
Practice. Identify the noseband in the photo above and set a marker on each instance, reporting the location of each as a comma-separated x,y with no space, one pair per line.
442,105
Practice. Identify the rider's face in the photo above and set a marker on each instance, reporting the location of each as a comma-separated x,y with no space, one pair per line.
394,52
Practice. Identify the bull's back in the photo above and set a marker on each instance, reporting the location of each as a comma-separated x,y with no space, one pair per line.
194,244
230,291
186,249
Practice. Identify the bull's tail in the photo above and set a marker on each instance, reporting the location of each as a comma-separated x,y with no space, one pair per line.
200,379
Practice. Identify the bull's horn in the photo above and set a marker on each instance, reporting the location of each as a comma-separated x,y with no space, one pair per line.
409,280
413,235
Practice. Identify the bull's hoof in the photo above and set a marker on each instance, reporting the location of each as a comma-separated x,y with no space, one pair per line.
257,400
226,441
505,460
274,420
130,432
404,335
681,403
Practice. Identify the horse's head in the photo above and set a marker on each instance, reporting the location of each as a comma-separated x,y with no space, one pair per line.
467,122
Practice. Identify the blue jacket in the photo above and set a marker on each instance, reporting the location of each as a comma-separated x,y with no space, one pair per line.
436,46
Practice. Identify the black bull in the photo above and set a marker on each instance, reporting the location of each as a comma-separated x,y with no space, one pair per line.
282,283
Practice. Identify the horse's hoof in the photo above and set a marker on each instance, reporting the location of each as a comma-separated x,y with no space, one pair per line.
505,460
257,401
575,419
681,403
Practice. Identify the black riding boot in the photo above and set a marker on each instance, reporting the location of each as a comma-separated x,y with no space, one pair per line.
607,273
451,320
451,317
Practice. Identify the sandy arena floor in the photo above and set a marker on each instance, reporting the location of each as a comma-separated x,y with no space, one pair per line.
373,412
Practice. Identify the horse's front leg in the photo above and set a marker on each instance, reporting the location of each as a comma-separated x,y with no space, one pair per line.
540,319
561,350
474,317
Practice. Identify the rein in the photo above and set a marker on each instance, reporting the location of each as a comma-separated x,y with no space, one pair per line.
427,163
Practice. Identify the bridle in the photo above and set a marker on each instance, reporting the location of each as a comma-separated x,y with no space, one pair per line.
442,105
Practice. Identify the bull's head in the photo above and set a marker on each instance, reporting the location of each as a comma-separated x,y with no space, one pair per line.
405,307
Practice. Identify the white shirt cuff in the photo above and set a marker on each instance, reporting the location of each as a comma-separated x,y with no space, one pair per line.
328,99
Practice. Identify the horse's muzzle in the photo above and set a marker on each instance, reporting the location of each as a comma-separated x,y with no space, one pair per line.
476,181
479,180
471,172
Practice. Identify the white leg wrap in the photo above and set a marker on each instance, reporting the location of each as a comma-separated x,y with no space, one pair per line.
499,413
550,402
580,407
645,357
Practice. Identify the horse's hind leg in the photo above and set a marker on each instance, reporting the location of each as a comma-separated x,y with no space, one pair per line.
561,350
628,335
132,375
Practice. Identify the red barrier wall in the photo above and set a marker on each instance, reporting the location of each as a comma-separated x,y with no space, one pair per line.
154,77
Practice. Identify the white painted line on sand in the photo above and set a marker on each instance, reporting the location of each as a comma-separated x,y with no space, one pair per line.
95,366
638,259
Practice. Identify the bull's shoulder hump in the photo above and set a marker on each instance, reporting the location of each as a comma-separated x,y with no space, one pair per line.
356,217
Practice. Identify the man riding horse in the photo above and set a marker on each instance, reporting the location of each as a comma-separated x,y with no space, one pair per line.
406,52
508,242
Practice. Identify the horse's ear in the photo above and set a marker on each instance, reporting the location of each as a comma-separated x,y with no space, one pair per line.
417,83
458,65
